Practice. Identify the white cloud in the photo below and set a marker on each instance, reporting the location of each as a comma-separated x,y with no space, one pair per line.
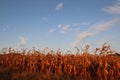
103,26
85,23
100,26
22,42
94,30
62,32
66,27
80,38
45,19
52,30
71,27
59,26
59,6
80,24
4,27
115,9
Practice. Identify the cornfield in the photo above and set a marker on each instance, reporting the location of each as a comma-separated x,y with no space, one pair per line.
104,64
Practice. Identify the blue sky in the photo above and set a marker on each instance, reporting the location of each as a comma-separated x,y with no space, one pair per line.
59,23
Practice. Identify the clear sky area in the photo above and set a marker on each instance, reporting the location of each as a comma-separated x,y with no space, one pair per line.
60,24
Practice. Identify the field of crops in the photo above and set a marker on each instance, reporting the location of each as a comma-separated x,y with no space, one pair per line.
104,64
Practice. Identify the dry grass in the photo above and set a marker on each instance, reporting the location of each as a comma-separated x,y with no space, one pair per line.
104,64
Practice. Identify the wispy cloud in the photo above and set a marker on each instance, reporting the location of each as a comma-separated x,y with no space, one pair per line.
66,27
81,24
45,19
115,9
52,30
62,32
4,27
81,37
100,26
59,6
94,30
71,27
22,42
60,25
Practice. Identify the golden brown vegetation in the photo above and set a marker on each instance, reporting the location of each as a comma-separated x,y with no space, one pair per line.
104,64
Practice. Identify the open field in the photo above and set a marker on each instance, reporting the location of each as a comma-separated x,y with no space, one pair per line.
104,64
